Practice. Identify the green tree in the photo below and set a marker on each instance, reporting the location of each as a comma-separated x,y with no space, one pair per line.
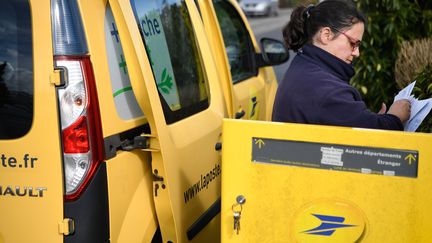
389,23
423,90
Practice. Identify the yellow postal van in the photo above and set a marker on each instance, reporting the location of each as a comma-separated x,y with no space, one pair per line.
111,115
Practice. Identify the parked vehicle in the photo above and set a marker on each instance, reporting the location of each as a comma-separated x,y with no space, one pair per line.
111,114
260,7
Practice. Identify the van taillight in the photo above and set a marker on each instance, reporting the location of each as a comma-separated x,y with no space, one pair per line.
80,123
75,137
79,110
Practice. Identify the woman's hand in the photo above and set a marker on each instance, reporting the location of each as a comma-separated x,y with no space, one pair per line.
383,109
401,109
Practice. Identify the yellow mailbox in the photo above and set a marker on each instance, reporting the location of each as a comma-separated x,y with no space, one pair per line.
308,183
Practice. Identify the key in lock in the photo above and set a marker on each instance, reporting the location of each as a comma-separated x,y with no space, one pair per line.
237,209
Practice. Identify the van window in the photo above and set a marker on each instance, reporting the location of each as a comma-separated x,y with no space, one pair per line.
169,39
238,45
125,101
16,69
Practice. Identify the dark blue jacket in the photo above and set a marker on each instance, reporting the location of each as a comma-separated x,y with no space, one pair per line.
316,90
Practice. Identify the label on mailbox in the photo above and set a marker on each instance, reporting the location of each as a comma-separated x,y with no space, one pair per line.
366,160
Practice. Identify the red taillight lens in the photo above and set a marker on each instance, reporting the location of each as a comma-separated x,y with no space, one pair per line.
75,137
81,127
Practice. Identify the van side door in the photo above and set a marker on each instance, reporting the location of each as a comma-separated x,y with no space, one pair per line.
174,78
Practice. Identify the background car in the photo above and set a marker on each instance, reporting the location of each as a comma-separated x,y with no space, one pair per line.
260,7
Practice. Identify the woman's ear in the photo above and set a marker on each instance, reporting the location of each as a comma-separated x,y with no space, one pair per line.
325,35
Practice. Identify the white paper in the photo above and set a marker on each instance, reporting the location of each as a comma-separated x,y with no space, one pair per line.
415,121
406,92
419,108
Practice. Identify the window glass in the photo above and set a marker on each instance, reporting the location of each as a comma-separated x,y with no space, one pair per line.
16,69
125,101
169,39
238,45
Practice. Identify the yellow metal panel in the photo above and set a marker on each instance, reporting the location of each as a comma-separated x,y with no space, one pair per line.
34,214
270,92
287,203
185,154
130,183
251,98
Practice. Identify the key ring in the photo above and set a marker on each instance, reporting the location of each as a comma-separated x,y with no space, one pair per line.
235,205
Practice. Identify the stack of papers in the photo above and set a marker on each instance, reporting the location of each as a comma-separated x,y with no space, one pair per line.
419,108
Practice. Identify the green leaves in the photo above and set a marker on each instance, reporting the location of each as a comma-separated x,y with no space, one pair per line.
423,90
429,88
389,23
165,84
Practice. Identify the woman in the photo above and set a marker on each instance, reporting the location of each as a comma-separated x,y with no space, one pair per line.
316,89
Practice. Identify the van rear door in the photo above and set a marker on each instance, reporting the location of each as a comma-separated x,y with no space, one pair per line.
174,78
31,188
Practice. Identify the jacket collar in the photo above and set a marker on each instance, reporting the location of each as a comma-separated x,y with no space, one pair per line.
328,61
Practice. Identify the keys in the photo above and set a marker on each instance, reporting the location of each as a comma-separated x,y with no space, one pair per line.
237,209
237,216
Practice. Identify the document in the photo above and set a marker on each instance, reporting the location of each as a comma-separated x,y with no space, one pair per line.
419,108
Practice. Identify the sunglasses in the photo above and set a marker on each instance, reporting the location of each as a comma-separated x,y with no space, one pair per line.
355,43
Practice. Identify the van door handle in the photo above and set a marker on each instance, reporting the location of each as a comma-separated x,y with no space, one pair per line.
218,146
239,114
